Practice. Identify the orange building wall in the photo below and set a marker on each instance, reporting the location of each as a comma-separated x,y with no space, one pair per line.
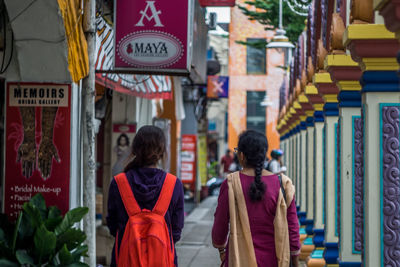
240,29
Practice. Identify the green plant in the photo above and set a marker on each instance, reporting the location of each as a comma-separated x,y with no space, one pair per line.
266,12
41,236
213,169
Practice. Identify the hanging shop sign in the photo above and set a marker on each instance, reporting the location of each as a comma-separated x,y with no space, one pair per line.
205,3
38,145
144,86
150,36
188,158
217,86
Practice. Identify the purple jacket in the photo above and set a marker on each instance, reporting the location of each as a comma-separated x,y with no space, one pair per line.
146,184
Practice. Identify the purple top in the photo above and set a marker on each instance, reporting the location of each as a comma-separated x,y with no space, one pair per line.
146,184
261,218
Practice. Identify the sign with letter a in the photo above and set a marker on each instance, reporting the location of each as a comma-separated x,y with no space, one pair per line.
153,36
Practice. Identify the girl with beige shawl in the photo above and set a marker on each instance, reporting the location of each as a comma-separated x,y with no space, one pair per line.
263,229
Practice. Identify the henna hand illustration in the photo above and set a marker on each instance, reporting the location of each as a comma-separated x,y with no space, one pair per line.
26,153
27,156
47,151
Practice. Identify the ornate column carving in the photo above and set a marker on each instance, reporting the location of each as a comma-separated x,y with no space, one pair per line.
358,170
390,183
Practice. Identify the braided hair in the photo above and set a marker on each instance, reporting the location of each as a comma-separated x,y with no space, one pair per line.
254,146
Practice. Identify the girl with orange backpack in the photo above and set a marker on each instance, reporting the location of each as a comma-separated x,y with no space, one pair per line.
145,206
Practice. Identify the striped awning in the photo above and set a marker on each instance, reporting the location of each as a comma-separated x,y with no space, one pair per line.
145,86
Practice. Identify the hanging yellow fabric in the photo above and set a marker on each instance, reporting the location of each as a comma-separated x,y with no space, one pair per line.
77,47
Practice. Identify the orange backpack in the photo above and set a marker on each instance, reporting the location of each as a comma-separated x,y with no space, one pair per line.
146,241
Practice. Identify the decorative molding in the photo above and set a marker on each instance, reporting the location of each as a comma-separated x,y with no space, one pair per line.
390,183
337,30
358,175
390,11
321,54
361,12
380,81
362,41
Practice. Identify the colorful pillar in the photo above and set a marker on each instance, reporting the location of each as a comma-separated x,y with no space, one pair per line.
304,107
298,165
329,90
346,73
303,166
317,177
380,113
306,212
290,152
297,156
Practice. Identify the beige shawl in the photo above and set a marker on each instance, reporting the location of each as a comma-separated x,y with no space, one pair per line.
281,229
241,249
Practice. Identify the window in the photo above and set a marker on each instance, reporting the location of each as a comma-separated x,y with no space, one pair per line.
255,112
256,57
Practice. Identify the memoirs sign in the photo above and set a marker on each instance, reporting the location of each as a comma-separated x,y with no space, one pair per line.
37,136
25,95
153,35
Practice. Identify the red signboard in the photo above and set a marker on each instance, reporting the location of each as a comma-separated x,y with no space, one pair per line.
37,145
205,3
153,35
188,158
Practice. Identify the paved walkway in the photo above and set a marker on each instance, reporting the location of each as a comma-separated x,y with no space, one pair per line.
195,247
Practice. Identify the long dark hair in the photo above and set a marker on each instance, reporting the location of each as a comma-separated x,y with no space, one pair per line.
148,147
123,136
254,146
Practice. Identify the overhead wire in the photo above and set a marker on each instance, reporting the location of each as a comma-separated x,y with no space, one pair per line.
3,69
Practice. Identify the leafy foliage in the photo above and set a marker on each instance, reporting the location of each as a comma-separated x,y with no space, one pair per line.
266,12
42,237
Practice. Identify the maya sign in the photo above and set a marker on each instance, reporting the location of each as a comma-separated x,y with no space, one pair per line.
153,35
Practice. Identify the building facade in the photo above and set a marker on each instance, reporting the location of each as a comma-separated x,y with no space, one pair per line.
253,72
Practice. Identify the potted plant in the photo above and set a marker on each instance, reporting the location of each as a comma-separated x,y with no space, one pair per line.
41,236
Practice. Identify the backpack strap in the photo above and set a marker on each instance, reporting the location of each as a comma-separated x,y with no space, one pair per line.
282,188
164,199
131,206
